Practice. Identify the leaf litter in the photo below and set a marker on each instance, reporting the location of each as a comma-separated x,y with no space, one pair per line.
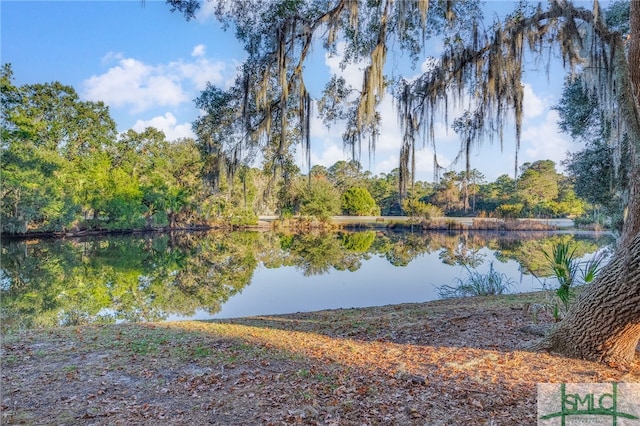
448,362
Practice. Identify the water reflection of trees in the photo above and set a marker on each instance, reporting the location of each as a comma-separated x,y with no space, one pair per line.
319,253
122,279
148,278
529,253
463,250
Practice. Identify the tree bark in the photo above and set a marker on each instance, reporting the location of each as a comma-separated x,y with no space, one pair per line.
634,51
604,323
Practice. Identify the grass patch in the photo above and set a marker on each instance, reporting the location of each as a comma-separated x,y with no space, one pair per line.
478,284
201,352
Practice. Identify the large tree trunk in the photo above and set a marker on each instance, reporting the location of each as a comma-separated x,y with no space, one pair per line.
604,323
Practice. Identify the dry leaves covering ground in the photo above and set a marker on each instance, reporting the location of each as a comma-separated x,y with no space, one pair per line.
452,362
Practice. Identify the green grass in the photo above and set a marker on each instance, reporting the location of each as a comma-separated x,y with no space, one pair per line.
478,284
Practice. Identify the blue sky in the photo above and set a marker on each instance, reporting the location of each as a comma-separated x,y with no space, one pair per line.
149,64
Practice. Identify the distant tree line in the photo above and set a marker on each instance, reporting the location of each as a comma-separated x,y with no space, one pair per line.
66,168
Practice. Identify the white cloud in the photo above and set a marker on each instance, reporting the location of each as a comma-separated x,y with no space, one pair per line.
231,76
207,10
320,131
199,50
326,145
390,139
111,57
201,71
532,104
545,142
424,164
168,124
331,153
140,86
429,63
352,73
135,84
387,164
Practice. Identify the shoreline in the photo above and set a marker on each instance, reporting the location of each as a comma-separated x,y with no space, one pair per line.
340,222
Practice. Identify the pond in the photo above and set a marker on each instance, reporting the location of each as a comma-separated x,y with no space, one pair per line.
156,277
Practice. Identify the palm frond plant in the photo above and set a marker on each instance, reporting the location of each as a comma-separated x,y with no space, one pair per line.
569,271
564,266
592,267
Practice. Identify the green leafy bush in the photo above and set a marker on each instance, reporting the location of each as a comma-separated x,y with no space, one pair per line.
419,209
510,210
357,201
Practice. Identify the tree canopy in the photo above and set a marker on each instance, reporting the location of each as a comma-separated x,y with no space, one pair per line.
65,168
481,68
271,103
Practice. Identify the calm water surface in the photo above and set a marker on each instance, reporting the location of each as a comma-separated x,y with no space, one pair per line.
222,275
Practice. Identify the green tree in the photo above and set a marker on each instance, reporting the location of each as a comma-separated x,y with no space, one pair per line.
493,194
593,169
545,193
64,168
357,201
319,171
384,190
49,138
123,206
512,211
466,126
345,175
212,128
415,208
538,185
448,195
567,203
320,200
475,179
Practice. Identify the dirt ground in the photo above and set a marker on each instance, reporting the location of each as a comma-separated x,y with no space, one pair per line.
448,362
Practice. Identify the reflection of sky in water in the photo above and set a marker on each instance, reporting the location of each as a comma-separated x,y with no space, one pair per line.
376,283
